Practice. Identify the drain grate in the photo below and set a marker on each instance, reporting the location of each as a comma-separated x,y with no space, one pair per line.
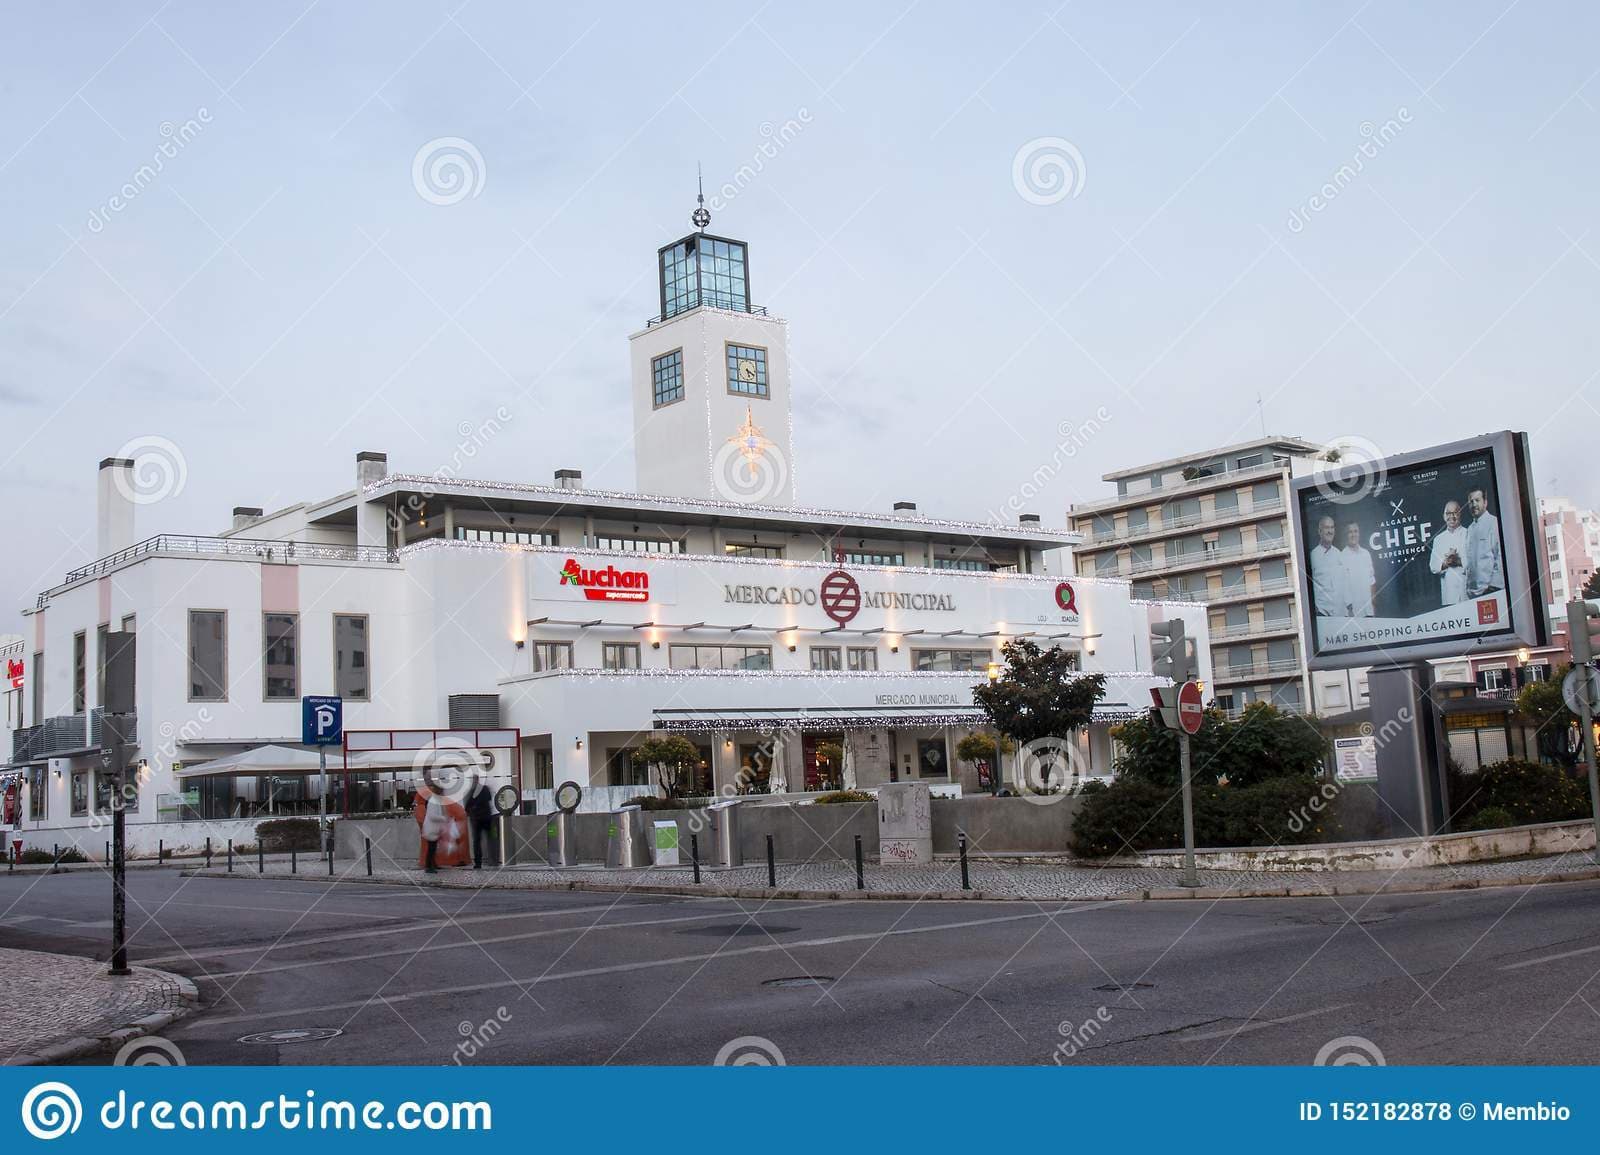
1117,988
294,1035
801,981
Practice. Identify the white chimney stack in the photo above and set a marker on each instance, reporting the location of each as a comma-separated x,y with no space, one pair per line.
114,506
569,478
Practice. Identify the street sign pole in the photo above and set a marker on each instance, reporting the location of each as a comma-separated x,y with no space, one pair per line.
321,725
116,757
322,798
1190,877
1581,636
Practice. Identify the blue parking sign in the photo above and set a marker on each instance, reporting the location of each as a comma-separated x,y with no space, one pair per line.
321,720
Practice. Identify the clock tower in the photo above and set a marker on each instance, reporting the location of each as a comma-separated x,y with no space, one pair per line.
711,380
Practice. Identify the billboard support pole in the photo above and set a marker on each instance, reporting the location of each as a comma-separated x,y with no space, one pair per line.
1408,753
1588,757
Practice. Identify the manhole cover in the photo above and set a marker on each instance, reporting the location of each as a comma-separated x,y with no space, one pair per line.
1116,987
800,981
296,1035
729,929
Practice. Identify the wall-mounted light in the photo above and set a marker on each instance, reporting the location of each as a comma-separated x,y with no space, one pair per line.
521,642
577,743
655,645
727,743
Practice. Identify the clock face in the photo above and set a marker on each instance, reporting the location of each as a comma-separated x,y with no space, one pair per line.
747,371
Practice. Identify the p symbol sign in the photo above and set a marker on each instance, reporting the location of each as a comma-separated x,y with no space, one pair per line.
321,720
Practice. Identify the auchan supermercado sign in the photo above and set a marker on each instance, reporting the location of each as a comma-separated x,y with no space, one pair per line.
607,583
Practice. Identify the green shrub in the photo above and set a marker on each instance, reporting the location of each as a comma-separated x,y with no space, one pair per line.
656,802
1528,791
281,835
34,856
1490,818
843,796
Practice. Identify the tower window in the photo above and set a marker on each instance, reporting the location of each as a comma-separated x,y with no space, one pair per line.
747,370
704,270
666,373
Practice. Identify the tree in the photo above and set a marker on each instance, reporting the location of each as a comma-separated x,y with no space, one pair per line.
1262,743
1591,588
1039,694
675,760
1544,704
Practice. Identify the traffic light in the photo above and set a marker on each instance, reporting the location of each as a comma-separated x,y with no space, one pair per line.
1583,630
1172,651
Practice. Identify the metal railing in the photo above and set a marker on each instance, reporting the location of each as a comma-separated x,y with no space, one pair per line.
1251,629
1265,589
1209,557
64,734
1154,495
1186,521
264,548
96,727
753,310
1258,670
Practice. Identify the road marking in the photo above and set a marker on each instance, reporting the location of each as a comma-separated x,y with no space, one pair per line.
1533,962
409,952
651,964
430,924
1263,1024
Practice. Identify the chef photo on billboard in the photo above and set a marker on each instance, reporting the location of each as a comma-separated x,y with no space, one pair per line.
1414,553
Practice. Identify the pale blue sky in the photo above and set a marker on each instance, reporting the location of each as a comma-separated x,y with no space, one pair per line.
280,296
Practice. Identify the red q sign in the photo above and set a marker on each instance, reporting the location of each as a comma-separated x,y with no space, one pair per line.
1066,598
841,596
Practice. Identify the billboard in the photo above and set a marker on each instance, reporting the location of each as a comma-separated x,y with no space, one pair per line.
1421,555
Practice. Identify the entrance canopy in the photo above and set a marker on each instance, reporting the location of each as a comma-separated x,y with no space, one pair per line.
288,760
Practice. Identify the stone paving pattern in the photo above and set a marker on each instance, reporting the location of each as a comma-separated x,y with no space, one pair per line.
52,999
996,879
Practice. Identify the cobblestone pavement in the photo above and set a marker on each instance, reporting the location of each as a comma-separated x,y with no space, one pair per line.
988,879
61,1006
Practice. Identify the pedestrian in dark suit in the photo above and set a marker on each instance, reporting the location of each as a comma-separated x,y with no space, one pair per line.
480,812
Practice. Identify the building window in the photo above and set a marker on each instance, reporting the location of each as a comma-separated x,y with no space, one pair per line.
208,656
863,658
102,639
825,658
702,270
620,655
639,544
351,667
951,659
506,536
280,655
854,558
1535,672
666,376
747,370
552,656
80,658
80,793
965,563
621,770
544,770
38,792
739,549
692,657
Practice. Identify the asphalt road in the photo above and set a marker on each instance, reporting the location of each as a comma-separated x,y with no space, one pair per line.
422,976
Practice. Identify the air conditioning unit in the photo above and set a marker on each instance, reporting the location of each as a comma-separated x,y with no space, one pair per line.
474,711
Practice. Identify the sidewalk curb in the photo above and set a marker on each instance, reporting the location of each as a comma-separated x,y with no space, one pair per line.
1151,894
80,1045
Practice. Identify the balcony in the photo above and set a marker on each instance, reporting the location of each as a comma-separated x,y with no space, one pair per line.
62,735
1237,592
1281,668
1214,480
1207,557
1154,529
1255,629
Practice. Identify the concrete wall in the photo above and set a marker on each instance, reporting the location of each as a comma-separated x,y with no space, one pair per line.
1004,825
144,838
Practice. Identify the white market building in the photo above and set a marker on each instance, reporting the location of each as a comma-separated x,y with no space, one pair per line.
579,620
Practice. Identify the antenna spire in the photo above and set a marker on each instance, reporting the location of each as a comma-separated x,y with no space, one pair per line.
701,216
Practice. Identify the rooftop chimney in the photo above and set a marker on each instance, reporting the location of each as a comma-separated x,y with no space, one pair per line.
371,467
1028,519
569,479
114,494
905,507
243,515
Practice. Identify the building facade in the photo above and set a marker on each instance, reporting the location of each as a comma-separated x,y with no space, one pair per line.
577,621
1571,553
1215,528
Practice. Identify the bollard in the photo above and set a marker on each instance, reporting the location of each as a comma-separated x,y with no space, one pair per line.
230,856
108,850
261,858
294,860
161,850
772,868
966,883
330,862
694,856
208,852
368,841
861,881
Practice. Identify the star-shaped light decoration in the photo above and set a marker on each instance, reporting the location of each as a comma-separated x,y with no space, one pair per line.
752,442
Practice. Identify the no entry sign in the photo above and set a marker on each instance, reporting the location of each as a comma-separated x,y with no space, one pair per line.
1191,710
